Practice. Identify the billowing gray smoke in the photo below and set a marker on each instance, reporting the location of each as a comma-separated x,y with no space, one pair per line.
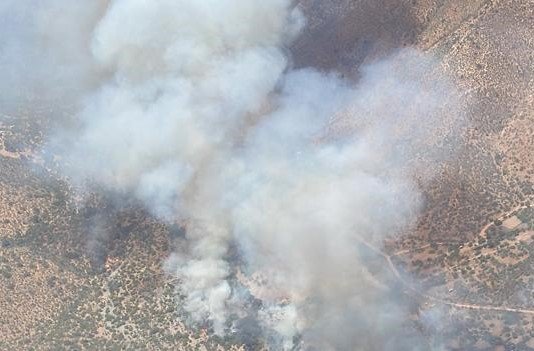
192,106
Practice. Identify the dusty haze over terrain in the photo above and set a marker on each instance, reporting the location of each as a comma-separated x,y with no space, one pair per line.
232,174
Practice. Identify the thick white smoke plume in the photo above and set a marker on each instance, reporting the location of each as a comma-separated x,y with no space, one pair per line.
195,109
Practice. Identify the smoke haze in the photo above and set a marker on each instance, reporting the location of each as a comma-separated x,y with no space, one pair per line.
284,174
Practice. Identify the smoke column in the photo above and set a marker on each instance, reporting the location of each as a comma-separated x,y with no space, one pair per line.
192,106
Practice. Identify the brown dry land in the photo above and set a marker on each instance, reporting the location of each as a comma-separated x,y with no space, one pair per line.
59,290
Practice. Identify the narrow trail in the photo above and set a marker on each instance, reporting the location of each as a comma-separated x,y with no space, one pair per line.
502,217
484,229
419,248
399,277
481,233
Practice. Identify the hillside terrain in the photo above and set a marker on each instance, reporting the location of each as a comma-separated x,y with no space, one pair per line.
88,273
